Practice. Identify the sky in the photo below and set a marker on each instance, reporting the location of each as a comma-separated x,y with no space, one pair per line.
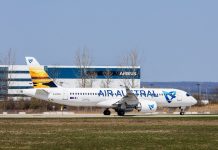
176,40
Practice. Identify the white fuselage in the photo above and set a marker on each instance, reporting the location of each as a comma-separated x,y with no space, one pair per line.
94,96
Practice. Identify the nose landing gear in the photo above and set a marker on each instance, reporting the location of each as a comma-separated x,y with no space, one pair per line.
182,113
182,110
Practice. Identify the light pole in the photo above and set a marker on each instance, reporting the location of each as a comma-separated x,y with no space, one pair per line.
199,91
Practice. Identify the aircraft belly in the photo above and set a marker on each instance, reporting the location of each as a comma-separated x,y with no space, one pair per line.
74,103
166,104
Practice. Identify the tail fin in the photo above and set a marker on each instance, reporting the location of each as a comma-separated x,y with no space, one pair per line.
39,77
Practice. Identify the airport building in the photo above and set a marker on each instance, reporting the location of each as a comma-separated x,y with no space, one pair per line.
16,77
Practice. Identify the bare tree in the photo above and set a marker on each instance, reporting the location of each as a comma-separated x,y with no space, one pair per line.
108,78
91,77
129,74
83,60
133,63
9,60
5,76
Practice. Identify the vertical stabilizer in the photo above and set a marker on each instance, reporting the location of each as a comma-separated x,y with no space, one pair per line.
38,75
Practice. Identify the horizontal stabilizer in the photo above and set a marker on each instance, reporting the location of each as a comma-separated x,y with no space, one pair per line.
42,93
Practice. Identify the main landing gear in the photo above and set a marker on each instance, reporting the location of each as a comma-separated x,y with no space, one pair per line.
121,112
107,112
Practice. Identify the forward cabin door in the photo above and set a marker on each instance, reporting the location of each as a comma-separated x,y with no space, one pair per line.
65,95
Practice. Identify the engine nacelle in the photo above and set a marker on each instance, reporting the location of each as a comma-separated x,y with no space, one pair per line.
147,106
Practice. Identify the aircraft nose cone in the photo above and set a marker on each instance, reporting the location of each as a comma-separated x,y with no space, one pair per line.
194,101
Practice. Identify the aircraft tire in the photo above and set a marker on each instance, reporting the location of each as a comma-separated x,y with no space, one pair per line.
107,112
121,112
182,113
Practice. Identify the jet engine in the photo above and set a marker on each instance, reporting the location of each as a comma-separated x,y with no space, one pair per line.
147,106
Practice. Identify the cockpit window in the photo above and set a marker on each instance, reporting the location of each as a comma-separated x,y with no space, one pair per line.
187,94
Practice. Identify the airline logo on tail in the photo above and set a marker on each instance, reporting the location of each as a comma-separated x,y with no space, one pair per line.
30,61
39,77
151,106
169,95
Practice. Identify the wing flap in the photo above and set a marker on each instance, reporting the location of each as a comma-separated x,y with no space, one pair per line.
130,98
108,103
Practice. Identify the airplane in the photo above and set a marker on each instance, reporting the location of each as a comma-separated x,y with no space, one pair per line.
122,100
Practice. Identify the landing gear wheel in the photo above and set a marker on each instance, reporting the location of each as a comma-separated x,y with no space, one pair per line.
182,110
121,112
182,113
107,112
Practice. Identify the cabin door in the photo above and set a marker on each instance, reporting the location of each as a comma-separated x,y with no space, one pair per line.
65,96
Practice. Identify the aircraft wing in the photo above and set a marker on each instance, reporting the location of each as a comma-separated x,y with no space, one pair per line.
108,103
130,99
130,96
